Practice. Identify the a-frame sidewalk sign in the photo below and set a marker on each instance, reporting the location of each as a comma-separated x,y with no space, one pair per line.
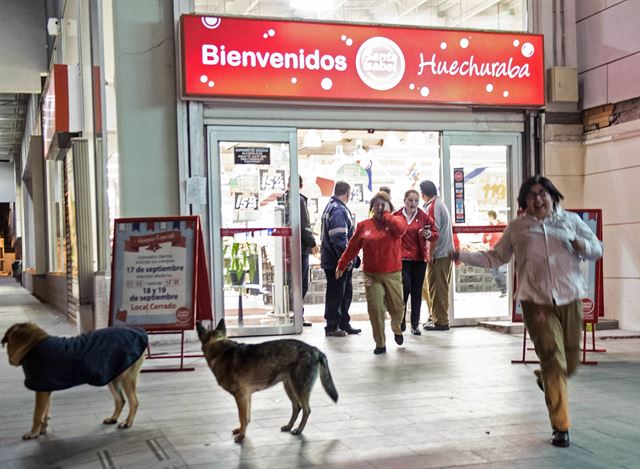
159,278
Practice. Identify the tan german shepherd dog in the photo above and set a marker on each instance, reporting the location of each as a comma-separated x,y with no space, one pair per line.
23,338
242,369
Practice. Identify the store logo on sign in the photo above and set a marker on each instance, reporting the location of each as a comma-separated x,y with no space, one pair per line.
380,63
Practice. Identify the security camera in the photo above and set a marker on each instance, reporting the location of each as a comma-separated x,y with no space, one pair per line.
53,26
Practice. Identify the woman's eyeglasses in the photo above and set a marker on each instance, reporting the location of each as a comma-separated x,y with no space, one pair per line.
542,194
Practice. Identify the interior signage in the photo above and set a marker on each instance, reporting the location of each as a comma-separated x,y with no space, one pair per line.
257,58
251,155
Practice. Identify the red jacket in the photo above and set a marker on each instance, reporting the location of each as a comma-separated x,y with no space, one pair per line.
414,246
381,244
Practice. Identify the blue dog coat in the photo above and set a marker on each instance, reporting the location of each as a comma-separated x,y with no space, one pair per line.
95,358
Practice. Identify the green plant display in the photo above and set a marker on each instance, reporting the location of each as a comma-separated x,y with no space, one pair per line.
240,259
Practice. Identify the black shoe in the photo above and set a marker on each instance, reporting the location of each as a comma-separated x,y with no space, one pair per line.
352,330
306,324
560,439
335,333
429,323
435,327
539,380
399,338
415,331
379,350
403,325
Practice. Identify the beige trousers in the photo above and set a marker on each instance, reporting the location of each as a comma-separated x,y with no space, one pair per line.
435,290
384,289
555,332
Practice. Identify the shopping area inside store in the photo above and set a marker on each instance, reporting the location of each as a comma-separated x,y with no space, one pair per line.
367,160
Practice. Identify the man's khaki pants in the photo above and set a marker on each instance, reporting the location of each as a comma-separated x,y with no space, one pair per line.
435,290
555,332
384,289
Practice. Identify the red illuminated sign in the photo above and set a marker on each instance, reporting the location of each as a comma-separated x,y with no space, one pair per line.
251,58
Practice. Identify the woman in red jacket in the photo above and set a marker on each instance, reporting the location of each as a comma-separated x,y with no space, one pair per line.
379,237
416,251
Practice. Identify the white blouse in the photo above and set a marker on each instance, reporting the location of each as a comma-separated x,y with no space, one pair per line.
547,266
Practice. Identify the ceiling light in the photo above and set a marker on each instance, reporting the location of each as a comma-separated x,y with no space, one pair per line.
312,139
332,135
391,140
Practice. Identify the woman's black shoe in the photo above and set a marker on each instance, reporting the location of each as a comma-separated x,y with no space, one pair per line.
398,338
560,439
379,350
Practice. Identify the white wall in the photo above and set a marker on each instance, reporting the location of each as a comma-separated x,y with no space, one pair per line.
608,37
23,52
7,182
612,172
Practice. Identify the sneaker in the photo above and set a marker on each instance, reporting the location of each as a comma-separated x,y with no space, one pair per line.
398,338
306,324
435,327
379,350
415,331
560,439
352,330
335,333
429,323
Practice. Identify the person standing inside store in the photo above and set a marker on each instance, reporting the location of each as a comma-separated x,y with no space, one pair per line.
337,229
416,248
547,244
307,245
435,289
499,274
379,237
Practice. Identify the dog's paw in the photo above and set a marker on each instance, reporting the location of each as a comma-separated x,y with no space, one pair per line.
110,421
235,431
285,428
297,431
30,435
125,424
239,438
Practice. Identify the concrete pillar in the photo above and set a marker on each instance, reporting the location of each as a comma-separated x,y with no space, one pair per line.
145,84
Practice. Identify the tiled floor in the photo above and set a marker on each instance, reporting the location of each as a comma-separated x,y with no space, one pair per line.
445,399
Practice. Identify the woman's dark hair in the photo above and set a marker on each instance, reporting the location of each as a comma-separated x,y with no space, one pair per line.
380,196
428,188
410,191
555,194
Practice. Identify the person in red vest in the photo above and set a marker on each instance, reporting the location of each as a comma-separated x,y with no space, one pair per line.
499,273
416,252
379,237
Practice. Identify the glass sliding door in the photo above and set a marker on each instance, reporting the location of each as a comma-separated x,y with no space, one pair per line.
255,234
481,177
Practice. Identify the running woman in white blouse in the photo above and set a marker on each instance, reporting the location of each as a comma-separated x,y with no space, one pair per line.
548,244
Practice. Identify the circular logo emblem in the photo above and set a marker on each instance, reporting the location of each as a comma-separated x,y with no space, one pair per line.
457,175
183,314
587,305
380,63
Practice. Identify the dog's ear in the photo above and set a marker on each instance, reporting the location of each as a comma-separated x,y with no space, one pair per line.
202,331
221,327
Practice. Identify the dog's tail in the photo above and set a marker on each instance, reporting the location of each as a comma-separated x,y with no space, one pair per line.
325,377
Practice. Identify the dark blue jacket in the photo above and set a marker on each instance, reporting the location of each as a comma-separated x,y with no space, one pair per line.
95,358
337,230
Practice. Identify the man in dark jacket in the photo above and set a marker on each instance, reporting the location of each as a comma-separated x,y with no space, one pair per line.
307,246
337,229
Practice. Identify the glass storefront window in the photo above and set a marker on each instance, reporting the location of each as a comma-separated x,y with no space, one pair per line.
57,254
501,15
367,160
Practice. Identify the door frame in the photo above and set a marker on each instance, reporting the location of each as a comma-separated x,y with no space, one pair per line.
513,142
286,135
